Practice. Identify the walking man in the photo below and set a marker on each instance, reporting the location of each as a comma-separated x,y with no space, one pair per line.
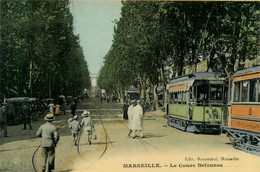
135,117
26,116
125,109
73,108
49,139
10,113
87,124
74,128
3,119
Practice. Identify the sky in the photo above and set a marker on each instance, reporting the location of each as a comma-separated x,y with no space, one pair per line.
93,21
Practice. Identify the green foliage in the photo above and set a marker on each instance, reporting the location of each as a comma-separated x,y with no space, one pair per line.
40,55
152,37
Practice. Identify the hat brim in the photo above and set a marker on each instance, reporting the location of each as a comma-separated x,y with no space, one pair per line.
85,115
48,119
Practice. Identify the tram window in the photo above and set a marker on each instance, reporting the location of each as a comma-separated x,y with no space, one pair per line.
258,92
175,97
215,92
236,91
244,93
170,97
179,97
190,92
252,91
184,94
202,93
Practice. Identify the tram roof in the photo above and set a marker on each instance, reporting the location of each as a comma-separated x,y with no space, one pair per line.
197,75
248,71
184,82
18,99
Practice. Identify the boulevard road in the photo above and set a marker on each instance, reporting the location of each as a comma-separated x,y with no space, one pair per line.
163,148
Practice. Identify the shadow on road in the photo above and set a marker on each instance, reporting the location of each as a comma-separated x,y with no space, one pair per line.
3,150
96,143
152,135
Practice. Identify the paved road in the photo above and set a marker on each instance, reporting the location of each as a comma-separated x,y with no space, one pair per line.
163,148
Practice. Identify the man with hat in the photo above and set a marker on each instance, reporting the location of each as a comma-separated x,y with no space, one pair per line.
26,116
87,124
49,139
125,109
74,128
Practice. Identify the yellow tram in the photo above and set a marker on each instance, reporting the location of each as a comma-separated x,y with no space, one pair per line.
244,110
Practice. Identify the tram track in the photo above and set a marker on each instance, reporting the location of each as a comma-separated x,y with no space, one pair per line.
107,139
141,140
99,113
33,156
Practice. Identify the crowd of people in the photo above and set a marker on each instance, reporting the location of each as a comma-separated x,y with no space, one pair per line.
50,136
132,111
22,110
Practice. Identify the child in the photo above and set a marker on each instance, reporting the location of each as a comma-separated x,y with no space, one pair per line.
87,124
74,128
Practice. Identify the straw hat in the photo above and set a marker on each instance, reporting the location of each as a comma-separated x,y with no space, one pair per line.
133,101
49,117
85,113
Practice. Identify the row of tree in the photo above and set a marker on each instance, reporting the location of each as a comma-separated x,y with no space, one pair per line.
40,56
154,39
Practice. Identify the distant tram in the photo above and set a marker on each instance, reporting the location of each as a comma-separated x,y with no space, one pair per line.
244,111
196,102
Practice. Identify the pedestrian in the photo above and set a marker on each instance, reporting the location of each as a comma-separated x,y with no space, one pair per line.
87,125
3,119
26,116
73,108
125,109
64,106
51,108
130,117
57,109
41,108
49,139
10,113
74,128
135,117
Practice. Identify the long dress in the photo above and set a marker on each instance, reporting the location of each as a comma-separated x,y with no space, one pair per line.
135,117
57,109
51,106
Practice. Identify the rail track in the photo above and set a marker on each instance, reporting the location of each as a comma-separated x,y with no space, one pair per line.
107,138
33,156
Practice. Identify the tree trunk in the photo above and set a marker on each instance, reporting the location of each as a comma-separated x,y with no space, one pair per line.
155,96
49,86
142,83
